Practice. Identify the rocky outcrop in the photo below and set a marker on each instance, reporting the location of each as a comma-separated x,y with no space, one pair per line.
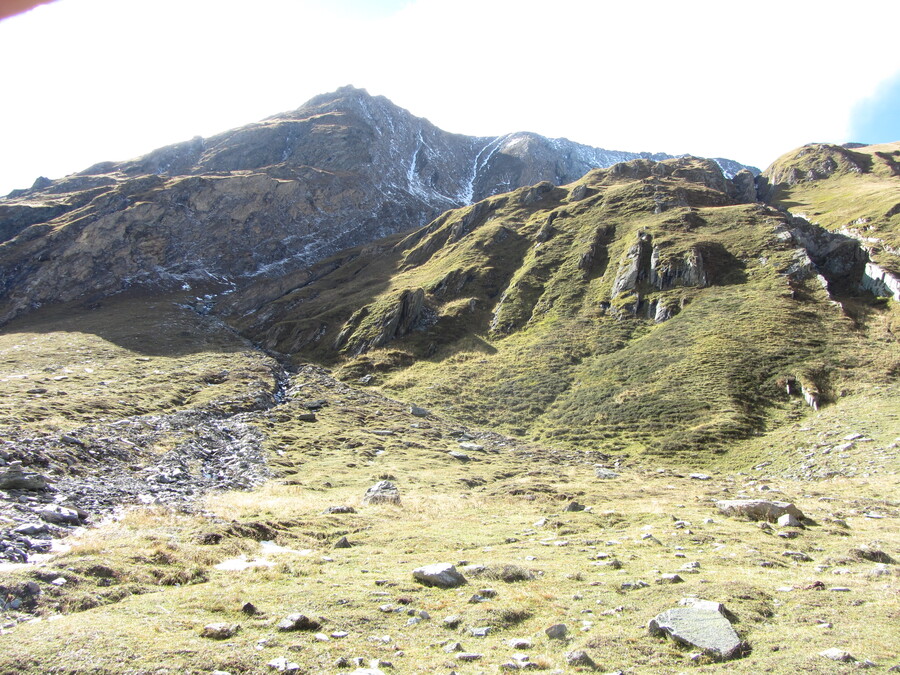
344,169
378,324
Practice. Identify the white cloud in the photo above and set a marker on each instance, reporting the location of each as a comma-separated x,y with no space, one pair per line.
88,80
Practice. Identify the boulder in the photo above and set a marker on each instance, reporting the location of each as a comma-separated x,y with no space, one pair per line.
606,474
579,657
17,478
220,631
557,631
704,629
59,515
383,492
298,622
758,509
441,575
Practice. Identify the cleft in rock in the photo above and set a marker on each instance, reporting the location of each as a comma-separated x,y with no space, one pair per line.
705,629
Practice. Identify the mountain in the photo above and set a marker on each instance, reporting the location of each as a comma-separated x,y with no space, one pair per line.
344,169
614,408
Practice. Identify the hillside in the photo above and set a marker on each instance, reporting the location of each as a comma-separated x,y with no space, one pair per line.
651,307
852,190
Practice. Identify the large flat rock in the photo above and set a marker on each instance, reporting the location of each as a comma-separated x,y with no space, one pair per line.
705,629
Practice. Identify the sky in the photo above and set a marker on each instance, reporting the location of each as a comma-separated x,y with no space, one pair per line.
85,81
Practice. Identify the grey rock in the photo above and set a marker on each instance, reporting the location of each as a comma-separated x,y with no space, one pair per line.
383,492
557,631
519,643
836,654
452,621
872,554
17,478
343,542
670,579
31,529
574,506
471,447
469,656
298,622
789,520
451,647
701,476
220,631
460,456
579,657
606,474
758,509
59,515
282,665
340,509
416,411
481,631
704,629
441,575
797,555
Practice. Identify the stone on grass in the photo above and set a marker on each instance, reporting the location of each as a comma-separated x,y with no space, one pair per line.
701,476
579,657
872,554
451,647
836,654
416,411
343,542
557,631
340,509
670,579
383,492
519,643
481,631
452,621
789,520
704,629
574,506
282,665
441,575
220,631
298,622
469,656
460,456
758,509
606,474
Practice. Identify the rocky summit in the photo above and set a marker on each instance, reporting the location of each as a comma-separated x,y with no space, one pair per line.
339,392
344,169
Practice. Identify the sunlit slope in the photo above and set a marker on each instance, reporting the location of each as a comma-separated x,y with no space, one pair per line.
649,307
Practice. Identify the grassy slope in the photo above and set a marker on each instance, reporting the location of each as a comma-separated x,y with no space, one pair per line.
131,355
520,338
136,619
861,191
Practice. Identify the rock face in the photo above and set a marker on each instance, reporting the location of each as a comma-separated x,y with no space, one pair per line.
704,629
344,169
